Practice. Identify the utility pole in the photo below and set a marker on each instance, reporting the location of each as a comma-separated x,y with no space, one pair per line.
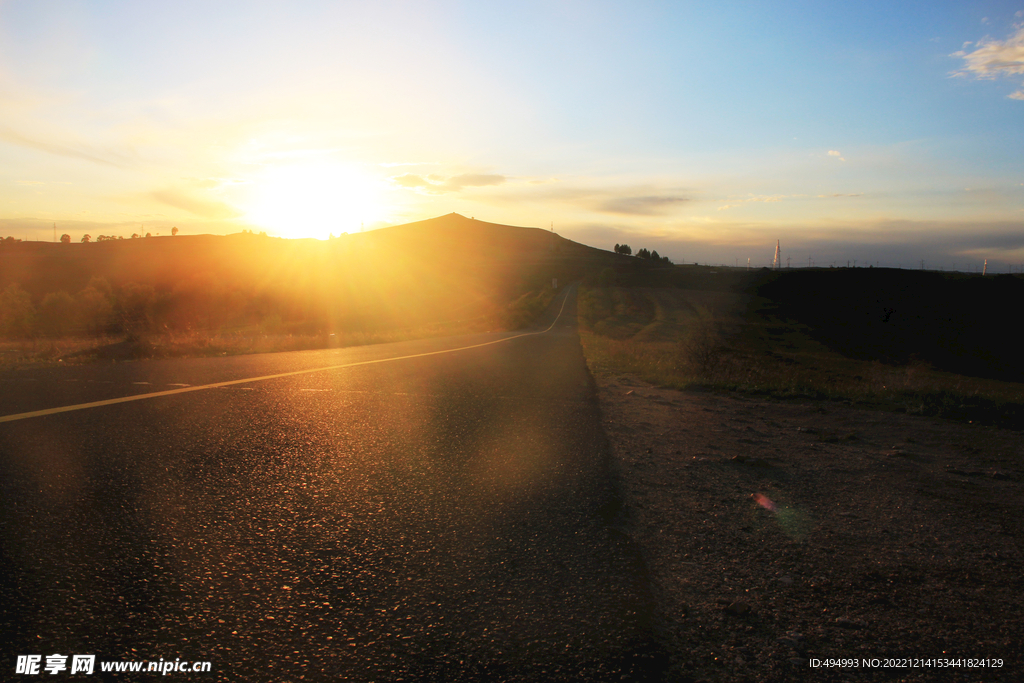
985,269
787,261
775,263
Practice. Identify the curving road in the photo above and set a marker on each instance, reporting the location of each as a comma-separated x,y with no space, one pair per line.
417,511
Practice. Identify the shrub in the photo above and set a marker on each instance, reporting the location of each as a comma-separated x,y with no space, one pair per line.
701,348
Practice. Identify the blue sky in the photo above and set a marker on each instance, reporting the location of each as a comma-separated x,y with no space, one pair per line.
882,132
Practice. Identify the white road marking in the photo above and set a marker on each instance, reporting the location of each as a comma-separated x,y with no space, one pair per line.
223,385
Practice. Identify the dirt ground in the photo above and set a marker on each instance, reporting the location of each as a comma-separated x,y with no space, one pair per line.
781,537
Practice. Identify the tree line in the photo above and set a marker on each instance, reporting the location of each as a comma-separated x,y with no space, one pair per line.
87,238
133,309
626,250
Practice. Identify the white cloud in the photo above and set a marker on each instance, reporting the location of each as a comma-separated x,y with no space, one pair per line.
992,59
833,153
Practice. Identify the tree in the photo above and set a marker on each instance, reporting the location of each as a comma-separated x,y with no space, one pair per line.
92,306
623,249
65,239
17,313
174,231
86,239
149,234
702,345
133,308
643,253
55,313
655,256
135,235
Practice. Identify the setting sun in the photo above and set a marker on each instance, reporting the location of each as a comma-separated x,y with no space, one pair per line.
313,200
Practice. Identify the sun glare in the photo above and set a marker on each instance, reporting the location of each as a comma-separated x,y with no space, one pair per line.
313,200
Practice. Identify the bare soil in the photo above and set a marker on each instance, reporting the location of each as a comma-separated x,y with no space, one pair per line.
782,535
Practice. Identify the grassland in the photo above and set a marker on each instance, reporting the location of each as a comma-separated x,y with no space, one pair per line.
269,338
208,295
717,330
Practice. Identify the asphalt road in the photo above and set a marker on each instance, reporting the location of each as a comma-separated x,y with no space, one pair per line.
434,517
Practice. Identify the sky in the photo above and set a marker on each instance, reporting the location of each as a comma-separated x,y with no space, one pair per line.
889,133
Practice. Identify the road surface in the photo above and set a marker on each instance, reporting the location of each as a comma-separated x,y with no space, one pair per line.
429,510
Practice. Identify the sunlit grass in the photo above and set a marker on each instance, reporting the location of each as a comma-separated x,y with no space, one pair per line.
270,336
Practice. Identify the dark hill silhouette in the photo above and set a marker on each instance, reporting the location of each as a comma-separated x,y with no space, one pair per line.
954,321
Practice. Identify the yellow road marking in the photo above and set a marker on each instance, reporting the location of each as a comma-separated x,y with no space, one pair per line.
171,392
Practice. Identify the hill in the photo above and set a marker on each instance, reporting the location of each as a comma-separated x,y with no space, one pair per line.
437,271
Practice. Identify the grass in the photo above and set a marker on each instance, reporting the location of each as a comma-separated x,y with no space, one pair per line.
197,344
270,337
665,336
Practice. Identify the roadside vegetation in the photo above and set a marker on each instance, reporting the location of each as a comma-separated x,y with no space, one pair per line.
211,295
767,333
101,323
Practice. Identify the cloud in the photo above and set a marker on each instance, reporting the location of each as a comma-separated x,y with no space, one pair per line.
626,200
409,180
834,153
84,152
650,205
757,198
992,59
392,164
200,207
435,184
839,194
473,180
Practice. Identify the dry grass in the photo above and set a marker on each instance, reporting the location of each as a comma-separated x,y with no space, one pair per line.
269,337
195,344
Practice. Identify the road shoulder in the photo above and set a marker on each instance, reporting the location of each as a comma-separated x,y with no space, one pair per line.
777,534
